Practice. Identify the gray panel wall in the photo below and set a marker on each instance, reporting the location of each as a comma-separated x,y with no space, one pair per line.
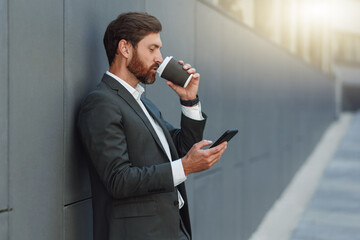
3,104
76,217
4,225
4,193
280,105
36,119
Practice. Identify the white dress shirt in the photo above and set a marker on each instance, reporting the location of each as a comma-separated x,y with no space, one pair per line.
190,112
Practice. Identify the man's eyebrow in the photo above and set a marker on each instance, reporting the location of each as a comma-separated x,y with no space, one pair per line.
155,45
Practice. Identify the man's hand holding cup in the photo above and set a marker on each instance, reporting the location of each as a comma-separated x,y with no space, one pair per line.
183,79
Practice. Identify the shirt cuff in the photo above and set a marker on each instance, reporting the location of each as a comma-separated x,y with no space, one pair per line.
178,172
193,112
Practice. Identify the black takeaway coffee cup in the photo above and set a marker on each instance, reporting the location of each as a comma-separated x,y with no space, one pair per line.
173,71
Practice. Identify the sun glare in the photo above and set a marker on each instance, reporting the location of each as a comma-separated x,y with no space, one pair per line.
320,32
335,12
316,12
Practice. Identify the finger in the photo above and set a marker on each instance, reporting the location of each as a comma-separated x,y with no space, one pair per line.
203,143
218,148
196,76
192,71
224,143
217,156
222,151
194,80
186,66
223,146
214,159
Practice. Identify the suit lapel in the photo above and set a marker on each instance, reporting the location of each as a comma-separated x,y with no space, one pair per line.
169,139
124,94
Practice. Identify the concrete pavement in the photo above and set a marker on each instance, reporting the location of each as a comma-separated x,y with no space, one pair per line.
323,200
334,210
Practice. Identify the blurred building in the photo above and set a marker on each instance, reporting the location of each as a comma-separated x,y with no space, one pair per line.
323,33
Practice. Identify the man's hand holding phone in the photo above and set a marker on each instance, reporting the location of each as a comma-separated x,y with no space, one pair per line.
199,159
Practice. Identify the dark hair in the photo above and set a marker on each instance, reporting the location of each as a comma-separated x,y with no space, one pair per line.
132,27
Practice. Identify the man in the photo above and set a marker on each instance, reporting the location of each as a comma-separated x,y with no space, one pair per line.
138,161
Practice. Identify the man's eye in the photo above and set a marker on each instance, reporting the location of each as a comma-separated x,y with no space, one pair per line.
151,49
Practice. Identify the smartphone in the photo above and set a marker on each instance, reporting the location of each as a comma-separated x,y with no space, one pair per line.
225,137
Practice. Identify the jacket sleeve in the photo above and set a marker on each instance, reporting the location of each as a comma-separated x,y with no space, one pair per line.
190,132
102,133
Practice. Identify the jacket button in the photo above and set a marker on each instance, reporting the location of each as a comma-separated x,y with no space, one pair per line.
176,203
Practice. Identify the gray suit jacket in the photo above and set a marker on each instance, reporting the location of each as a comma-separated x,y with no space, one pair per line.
132,185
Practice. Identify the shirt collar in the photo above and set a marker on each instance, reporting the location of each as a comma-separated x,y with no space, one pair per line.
135,92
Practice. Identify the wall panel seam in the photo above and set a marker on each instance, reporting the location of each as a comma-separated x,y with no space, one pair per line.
63,95
8,117
5,210
63,123
76,202
8,99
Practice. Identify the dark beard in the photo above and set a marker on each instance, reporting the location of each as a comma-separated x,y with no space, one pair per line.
138,68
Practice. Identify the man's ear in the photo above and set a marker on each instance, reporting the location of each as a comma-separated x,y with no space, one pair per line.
124,48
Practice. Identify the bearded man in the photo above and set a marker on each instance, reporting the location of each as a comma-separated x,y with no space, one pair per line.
138,162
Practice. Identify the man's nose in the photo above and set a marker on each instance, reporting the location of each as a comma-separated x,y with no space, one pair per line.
159,59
